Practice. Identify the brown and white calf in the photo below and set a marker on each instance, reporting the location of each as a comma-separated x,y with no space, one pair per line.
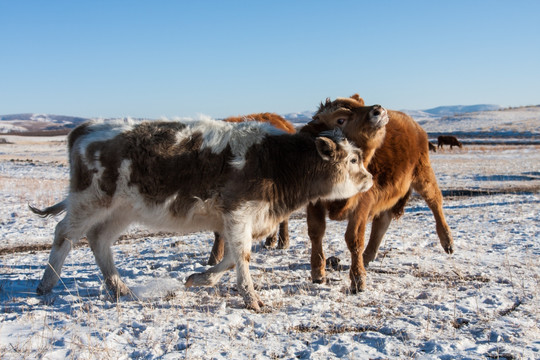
238,179
396,153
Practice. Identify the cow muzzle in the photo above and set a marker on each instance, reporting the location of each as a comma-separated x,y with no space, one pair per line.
378,116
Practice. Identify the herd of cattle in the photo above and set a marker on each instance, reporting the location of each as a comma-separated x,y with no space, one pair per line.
241,178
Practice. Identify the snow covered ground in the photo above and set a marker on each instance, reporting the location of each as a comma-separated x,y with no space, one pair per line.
480,303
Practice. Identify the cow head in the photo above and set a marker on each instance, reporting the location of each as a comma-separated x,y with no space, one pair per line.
356,120
348,173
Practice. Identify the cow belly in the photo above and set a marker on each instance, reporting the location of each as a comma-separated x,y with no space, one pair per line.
198,218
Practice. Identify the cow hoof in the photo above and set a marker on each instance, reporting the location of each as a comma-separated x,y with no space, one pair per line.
41,290
449,249
358,285
322,280
190,281
121,291
198,279
255,305
282,245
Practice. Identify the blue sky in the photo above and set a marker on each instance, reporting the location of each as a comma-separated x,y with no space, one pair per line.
221,58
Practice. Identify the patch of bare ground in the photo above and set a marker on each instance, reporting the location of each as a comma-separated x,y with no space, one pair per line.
124,239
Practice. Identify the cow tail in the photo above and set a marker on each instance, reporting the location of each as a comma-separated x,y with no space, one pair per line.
51,210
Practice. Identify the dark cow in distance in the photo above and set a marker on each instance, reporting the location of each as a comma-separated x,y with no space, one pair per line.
432,147
280,237
448,140
239,179
395,152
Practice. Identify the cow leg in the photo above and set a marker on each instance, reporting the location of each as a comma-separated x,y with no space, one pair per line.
316,223
280,236
101,237
426,185
283,242
354,236
237,253
61,247
271,240
378,229
217,250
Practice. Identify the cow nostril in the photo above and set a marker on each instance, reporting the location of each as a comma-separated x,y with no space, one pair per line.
376,112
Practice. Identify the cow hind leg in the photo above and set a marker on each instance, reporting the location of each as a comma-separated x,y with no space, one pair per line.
271,240
283,242
217,250
64,239
379,227
101,237
426,185
279,237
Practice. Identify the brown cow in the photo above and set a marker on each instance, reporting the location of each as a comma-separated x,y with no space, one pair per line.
283,241
397,156
238,179
448,140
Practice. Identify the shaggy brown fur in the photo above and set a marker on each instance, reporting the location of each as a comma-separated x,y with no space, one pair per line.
279,122
448,140
397,157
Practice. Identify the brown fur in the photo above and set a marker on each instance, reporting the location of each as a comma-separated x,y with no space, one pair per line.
398,159
271,118
448,140
281,236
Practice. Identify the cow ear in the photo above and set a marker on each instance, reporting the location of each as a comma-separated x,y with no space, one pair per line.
326,148
359,99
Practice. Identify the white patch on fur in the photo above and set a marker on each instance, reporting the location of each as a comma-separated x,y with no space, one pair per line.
102,130
220,134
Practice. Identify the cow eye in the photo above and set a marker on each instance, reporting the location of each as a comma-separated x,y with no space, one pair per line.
340,121
354,160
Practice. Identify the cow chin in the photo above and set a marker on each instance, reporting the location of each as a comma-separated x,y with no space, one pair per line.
348,189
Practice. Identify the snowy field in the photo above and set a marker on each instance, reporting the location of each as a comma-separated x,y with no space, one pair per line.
483,302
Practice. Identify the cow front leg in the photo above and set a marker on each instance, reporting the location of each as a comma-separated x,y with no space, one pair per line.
245,283
354,236
316,223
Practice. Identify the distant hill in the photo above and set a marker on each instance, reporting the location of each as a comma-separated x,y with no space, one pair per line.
299,118
487,119
460,109
520,121
21,123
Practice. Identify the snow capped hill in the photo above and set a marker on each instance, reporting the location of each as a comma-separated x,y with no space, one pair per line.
460,109
511,121
458,118
37,122
299,118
